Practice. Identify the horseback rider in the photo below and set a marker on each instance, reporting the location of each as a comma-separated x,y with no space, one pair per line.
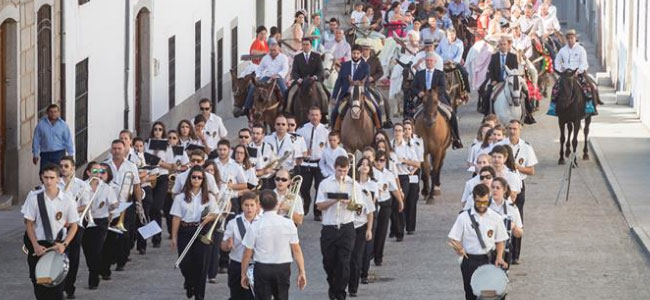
274,66
497,72
451,50
459,9
376,72
429,48
356,70
574,57
530,23
521,42
431,78
307,68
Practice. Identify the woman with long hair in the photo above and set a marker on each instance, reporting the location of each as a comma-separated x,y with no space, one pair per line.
406,164
388,192
186,134
211,167
241,157
192,208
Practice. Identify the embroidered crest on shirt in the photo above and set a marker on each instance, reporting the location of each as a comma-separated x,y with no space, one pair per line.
490,233
521,161
59,215
101,204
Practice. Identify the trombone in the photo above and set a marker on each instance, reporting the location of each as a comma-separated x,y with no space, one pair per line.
204,214
123,194
223,209
353,205
86,214
292,195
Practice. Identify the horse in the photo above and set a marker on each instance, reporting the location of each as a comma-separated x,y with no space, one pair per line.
464,32
330,71
407,79
570,111
508,104
307,95
435,131
543,63
454,85
357,125
266,102
240,87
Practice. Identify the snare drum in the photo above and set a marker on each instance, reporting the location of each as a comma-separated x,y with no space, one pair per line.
489,282
52,268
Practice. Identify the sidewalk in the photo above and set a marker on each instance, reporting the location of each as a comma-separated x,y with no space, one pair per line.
621,145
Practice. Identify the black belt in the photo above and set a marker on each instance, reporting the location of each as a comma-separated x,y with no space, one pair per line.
339,226
477,256
190,224
312,161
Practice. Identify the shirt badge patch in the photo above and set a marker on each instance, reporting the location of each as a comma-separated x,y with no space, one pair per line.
59,215
490,233
521,161
101,204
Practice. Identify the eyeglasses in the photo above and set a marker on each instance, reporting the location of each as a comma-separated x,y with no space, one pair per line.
98,171
244,136
157,129
482,203
197,161
483,177
283,179
196,177
205,108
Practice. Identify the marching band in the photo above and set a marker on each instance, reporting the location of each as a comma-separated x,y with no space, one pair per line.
238,208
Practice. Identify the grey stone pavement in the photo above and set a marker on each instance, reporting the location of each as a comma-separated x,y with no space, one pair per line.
578,249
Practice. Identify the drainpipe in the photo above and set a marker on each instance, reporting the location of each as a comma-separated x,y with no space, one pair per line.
62,67
213,85
127,45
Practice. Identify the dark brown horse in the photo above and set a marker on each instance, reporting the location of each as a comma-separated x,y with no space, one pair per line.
570,111
435,131
240,87
464,32
357,125
307,95
455,87
266,102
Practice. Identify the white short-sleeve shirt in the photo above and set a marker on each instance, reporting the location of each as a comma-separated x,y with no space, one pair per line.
232,231
61,210
490,226
191,212
271,238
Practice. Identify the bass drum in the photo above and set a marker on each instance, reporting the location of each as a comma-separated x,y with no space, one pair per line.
489,282
52,268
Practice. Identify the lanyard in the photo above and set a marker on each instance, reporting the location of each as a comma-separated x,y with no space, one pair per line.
277,151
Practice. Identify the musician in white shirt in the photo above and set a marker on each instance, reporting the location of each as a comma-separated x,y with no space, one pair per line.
282,183
283,143
214,126
61,212
530,23
521,42
316,138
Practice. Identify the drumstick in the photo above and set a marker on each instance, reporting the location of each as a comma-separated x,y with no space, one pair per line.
456,247
46,250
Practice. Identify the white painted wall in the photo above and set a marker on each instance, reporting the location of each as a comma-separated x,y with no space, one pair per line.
94,31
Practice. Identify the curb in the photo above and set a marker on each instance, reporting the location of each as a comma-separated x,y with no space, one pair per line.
639,234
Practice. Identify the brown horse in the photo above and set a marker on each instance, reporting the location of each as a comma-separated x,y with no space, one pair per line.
570,111
266,102
435,131
357,126
240,87
305,96
455,88
464,32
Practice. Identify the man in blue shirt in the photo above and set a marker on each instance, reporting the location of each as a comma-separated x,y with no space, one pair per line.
458,8
51,138
451,50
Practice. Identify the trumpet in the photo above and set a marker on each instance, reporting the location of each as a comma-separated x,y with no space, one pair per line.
223,209
353,205
86,214
123,194
292,195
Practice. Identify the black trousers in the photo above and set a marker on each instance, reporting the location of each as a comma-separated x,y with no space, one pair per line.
516,242
381,230
310,175
93,242
147,202
73,251
215,254
336,245
127,240
368,251
40,292
272,281
411,205
467,268
356,260
167,206
194,266
155,213
234,283
397,222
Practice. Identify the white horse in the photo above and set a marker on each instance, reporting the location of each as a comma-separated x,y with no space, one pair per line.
330,72
509,101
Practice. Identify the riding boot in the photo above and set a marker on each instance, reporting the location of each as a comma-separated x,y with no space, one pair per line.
457,143
528,119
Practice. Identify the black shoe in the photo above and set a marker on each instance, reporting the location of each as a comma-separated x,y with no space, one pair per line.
399,238
223,270
457,144
189,292
70,296
318,218
119,268
515,261
529,120
212,280
388,124
364,280
142,251
353,294
378,264
92,287
409,232
331,295
106,277
391,235
156,245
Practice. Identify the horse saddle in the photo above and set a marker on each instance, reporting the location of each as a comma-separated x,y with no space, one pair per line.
444,109
293,92
496,90
370,104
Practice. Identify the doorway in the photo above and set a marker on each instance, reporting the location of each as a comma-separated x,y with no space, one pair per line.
142,72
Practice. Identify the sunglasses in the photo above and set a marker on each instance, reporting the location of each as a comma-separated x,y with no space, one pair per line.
283,179
197,177
483,177
381,160
197,161
98,171
244,136
157,129
205,108
482,203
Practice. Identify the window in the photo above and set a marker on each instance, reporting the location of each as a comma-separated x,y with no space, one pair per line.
44,50
233,49
645,33
171,64
197,56
82,2
279,15
624,12
638,14
81,112
220,69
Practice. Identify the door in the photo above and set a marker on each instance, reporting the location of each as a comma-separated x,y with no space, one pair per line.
142,100
3,101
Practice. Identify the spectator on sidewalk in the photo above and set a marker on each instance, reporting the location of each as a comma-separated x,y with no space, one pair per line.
52,140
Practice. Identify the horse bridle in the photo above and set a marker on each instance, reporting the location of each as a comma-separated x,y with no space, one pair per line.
268,99
508,91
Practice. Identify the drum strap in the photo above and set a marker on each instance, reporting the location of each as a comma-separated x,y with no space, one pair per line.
45,219
477,230
242,229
